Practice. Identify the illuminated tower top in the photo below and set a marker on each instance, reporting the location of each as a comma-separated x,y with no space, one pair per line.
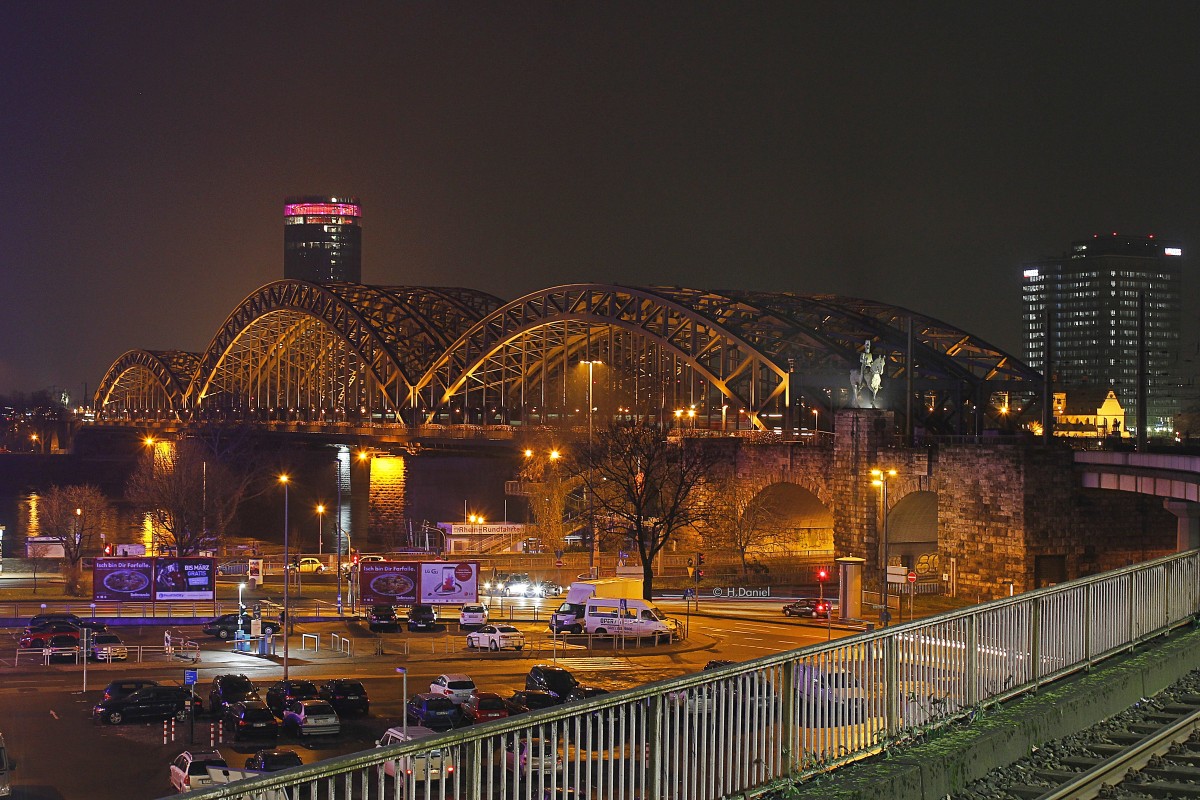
322,239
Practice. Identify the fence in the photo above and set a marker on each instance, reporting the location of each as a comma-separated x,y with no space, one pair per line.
749,725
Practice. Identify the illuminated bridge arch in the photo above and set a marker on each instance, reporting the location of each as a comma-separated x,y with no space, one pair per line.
732,359
147,382
308,350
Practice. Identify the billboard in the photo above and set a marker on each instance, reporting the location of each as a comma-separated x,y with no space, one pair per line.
184,578
449,582
129,579
388,582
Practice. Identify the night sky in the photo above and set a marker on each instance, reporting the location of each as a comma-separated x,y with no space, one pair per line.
911,153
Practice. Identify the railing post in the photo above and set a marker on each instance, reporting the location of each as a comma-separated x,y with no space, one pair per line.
972,660
1087,627
791,759
1132,622
1035,643
655,756
891,676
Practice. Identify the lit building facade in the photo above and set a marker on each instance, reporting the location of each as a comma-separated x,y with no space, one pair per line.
322,239
1092,294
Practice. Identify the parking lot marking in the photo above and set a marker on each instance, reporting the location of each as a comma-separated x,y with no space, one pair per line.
596,662
53,714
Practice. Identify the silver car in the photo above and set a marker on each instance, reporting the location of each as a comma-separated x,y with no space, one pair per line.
311,718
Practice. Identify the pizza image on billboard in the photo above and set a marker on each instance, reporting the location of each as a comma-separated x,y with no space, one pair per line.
122,579
388,582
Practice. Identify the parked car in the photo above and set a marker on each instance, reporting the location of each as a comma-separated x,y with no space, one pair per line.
557,681
311,718
808,607
534,753
530,700
150,702
228,689
382,618
433,711
422,617
189,769
517,584
432,765
455,686
282,691
349,566
472,616
38,620
63,647
107,647
39,637
346,696
308,566
273,760
126,687
496,637
251,719
483,706
226,626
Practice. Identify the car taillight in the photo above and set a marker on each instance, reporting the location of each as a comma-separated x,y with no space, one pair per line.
449,770
241,722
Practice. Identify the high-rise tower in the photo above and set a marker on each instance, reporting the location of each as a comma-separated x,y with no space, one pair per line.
322,239
1093,294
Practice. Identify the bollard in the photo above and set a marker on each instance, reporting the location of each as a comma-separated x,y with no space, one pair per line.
164,732
172,729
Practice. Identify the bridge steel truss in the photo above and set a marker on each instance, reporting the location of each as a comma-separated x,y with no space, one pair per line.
341,351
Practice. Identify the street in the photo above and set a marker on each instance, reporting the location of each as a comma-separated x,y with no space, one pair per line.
61,753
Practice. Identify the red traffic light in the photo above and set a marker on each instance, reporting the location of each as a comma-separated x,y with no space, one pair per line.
108,549
822,575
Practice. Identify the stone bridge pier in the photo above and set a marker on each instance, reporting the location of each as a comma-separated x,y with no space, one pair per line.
985,518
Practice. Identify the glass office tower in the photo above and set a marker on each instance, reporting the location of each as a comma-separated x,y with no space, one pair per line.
322,239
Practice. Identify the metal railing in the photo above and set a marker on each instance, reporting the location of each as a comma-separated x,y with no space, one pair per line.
751,725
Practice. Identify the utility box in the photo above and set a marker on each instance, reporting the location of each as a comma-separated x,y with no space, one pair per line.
850,576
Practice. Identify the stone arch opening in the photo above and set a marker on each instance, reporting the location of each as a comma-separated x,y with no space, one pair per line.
913,533
804,523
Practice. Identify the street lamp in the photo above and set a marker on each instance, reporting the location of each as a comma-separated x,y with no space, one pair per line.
816,420
881,480
320,529
591,508
287,578
241,605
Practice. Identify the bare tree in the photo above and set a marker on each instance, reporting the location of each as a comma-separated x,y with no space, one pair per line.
72,516
741,519
36,553
193,487
547,475
649,488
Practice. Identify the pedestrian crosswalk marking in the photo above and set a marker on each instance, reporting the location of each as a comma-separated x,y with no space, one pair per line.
596,663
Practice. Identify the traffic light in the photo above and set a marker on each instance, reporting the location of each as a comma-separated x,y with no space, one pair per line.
691,563
699,575
822,575
108,549
700,559
354,559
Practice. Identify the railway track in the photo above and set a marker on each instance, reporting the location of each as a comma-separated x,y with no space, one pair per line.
1151,750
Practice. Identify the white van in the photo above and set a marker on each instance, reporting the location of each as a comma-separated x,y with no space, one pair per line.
628,617
433,765
7,765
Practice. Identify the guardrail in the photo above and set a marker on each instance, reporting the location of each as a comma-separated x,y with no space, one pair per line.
186,651
747,726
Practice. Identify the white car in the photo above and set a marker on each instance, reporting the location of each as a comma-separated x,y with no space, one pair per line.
473,616
541,755
348,566
454,686
496,637
433,765
189,769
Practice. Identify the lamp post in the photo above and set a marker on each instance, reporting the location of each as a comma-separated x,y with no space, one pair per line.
241,605
404,698
816,420
593,550
881,480
320,529
287,578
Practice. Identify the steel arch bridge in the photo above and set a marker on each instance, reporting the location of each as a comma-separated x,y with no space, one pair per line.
304,352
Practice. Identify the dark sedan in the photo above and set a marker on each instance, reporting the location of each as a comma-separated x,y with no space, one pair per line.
433,711
282,691
273,760
152,702
250,720
346,696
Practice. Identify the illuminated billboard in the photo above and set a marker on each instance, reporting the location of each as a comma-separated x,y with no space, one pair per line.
123,579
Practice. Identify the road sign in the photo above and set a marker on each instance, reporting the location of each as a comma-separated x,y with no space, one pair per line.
691,571
912,577
559,563
189,677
